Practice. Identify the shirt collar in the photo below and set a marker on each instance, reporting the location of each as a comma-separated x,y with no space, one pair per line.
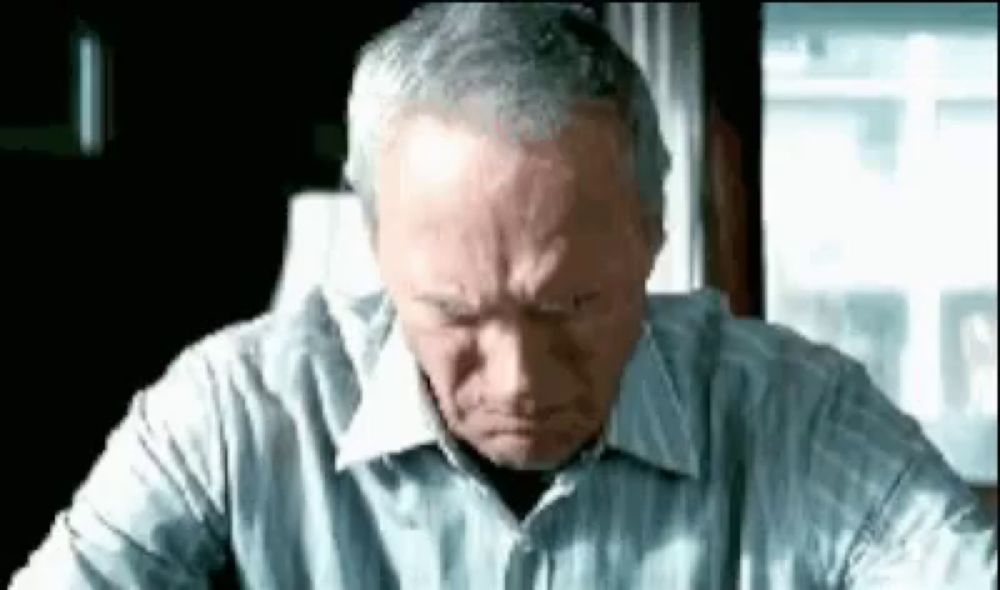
650,420
394,414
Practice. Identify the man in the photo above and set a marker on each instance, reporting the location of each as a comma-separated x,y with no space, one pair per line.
514,411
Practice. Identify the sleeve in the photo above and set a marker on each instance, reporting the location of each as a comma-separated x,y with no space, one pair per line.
151,512
931,532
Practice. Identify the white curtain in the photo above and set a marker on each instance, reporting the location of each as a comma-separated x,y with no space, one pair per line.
664,40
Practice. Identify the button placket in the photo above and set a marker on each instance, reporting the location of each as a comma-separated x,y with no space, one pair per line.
519,555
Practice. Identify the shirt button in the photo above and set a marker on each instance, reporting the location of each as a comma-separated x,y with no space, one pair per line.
523,544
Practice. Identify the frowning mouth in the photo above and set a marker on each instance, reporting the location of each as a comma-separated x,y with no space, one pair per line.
533,416
518,429
523,426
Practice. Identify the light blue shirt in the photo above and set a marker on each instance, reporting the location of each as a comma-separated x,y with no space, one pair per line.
301,450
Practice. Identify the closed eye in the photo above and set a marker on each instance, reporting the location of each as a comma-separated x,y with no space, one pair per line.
451,310
569,307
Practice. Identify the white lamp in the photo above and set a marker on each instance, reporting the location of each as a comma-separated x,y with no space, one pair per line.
327,246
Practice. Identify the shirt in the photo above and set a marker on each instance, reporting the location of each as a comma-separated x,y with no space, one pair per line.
300,449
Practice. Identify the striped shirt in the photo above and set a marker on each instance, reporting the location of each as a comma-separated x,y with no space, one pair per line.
300,451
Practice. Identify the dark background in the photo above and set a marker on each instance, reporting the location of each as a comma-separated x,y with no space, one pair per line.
113,263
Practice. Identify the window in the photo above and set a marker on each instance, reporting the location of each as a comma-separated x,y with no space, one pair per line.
880,203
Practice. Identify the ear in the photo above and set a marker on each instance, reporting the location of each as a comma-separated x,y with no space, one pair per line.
655,236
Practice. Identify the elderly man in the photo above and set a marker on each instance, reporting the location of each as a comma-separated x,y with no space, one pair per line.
513,411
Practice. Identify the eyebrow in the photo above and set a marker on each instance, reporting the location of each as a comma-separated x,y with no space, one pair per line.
449,303
454,304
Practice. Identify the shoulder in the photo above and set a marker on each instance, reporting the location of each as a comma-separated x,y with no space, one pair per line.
747,361
804,394
253,346
275,365
805,419
829,440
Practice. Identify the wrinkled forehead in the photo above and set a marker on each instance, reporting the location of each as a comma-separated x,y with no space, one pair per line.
455,200
437,164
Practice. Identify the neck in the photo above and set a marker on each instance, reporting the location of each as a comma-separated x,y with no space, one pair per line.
520,489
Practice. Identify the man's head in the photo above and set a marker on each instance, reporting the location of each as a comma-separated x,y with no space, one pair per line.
512,170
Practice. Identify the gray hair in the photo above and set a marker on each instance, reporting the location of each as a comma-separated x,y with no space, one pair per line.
527,64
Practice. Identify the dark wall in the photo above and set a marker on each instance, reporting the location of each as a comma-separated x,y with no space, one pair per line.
731,40
113,263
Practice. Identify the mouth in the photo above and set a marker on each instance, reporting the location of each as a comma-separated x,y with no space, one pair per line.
525,427
543,423
517,426
524,436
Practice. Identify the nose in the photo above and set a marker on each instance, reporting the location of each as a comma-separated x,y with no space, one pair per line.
515,355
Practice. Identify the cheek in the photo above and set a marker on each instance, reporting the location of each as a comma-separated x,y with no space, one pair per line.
603,330
602,345
448,358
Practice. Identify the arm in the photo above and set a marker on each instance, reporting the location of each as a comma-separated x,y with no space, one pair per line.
923,526
885,509
932,532
151,512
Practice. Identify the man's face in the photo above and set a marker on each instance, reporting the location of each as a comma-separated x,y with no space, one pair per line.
518,273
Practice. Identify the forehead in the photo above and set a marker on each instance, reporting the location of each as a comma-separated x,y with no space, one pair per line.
436,164
454,199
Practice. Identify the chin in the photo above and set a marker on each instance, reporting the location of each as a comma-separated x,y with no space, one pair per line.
517,457
519,464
